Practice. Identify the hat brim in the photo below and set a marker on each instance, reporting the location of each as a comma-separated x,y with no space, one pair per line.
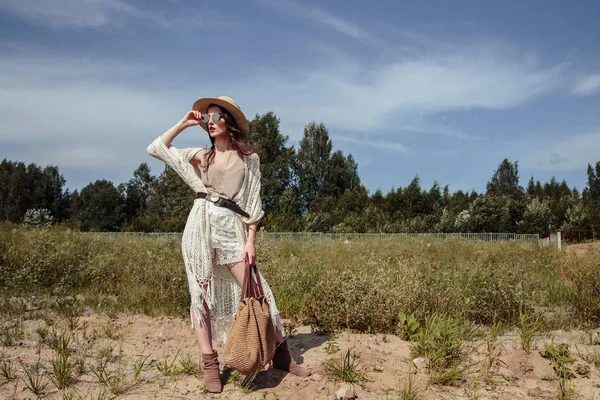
239,117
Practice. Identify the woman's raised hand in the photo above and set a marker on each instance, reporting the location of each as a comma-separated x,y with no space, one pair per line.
191,118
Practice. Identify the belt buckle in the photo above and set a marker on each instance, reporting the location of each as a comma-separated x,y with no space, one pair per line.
214,198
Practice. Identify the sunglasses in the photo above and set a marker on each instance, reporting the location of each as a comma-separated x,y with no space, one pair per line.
215,117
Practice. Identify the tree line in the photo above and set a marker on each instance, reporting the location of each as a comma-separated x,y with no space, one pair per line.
312,188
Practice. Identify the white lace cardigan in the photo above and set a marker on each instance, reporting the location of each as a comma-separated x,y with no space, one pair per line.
207,283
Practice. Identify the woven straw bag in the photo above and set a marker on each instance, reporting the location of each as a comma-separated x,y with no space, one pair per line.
251,342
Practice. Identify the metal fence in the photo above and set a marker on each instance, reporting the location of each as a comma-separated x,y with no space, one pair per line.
327,237
473,237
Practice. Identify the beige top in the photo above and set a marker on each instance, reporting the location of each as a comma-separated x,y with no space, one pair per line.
225,180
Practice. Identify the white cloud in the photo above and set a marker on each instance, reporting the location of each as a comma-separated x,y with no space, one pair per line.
318,15
587,86
60,105
77,13
377,144
570,154
404,95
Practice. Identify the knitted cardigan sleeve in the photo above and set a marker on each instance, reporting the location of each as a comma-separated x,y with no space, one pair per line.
179,161
253,202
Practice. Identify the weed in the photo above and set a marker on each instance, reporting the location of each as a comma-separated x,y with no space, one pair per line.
564,390
346,369
583,370
442,342
561,359
408,391
234,377
331,347
67,306
529,326
596,359
168,368
189,366
73,323
35,380
248,385
109,331
492,361
69,395
289,329
42,332
114,380
62,370
7,372
11,334
79,365
102,395
407,326
105,352
84,329
60,342
139,366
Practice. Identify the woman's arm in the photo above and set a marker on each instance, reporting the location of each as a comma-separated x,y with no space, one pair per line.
252,232
250,248
191,118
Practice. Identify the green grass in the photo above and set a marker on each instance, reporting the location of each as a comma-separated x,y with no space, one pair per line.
529,325
346,368
365,286
443,341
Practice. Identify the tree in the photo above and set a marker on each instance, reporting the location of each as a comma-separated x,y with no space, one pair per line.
531,187
137,194
505,181
490,213
415,202
592,190
591,195
288,217
276,161
170,202
24,187
341,175
577,217
14,193
100,207
313,159
536,218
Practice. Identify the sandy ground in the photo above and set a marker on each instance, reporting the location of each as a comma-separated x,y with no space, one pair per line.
386,361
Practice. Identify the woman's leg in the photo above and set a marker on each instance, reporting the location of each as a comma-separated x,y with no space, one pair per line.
238,270
210,360
203,332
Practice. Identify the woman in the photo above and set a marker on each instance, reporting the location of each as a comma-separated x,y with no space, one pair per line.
218,239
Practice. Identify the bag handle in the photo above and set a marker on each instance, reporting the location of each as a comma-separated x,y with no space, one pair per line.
249,286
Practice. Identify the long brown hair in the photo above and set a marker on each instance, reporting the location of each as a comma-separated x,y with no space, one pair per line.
236,138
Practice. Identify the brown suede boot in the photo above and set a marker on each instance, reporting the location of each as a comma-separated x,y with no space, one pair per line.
212,381
283,361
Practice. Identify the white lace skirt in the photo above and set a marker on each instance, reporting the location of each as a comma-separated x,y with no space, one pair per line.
227,241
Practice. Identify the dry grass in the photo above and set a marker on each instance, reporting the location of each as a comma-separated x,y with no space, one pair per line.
366,286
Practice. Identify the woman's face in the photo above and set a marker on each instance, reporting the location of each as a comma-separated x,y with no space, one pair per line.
216,128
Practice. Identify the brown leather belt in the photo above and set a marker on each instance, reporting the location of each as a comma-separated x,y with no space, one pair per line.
221,202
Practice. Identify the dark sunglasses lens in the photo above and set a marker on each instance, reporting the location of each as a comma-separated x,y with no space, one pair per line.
205,118
216,117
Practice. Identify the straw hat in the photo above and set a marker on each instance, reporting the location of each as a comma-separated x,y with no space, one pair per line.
229,105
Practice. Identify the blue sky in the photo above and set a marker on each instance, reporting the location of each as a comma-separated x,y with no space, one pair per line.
445,90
